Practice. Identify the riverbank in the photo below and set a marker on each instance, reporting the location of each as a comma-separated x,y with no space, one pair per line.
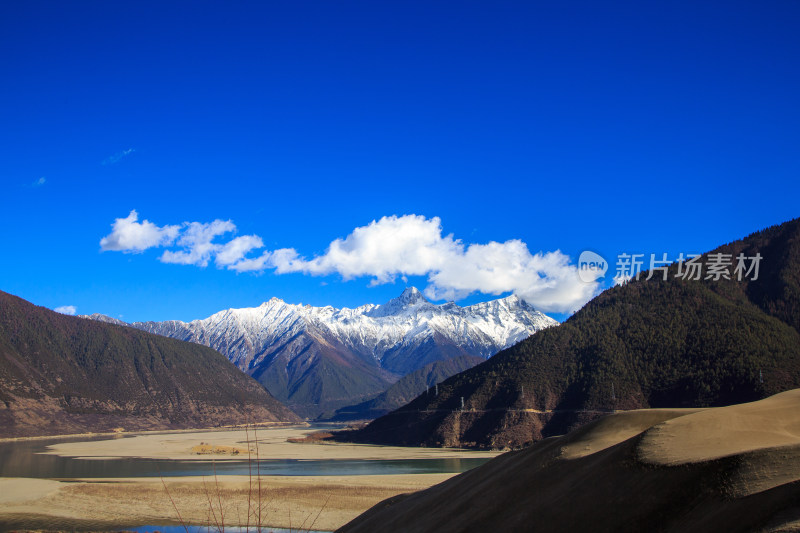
122,433
108,503
271,443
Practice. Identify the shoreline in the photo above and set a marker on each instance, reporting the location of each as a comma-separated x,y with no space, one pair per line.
91,435
110,503
272,443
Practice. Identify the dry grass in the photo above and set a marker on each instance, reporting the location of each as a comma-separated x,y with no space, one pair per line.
212,449
290,502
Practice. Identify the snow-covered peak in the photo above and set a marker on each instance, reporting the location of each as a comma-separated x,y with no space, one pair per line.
411,298
411,295
400,324
272,302
512,302
104,318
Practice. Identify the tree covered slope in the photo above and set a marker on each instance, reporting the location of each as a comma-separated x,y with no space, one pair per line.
61,374
648,343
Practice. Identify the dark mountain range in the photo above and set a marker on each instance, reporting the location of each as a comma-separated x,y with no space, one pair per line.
62,374
408,388
649,343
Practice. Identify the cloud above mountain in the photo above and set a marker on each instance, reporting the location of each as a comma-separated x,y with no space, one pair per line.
385,249
195,241
130,235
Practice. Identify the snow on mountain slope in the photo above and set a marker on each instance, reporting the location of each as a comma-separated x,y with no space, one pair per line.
482,329
366,348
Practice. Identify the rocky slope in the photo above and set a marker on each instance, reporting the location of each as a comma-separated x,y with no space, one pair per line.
61,374
423,380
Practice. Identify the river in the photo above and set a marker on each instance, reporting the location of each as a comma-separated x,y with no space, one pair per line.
25,459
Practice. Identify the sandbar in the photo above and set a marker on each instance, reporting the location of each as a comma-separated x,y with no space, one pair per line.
266,444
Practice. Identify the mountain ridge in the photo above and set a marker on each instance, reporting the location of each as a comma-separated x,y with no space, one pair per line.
407,388
319,359
61,374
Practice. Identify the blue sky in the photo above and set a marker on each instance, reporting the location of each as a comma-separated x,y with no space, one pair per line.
611,126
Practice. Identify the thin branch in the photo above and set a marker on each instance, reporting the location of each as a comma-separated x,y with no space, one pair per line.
319,513
219,498
211,504
180,519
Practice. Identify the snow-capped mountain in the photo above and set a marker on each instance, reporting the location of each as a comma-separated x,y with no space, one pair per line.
317,358
105,318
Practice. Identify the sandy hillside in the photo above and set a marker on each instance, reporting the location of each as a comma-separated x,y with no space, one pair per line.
727,469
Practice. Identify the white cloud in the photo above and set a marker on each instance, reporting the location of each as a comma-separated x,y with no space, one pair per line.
413,245
38,183
112,159
234,251
408,245
196,242
66,309
546,280
256,264
128,235
392,247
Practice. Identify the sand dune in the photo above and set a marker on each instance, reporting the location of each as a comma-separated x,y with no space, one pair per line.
738,429
723,469
615,428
